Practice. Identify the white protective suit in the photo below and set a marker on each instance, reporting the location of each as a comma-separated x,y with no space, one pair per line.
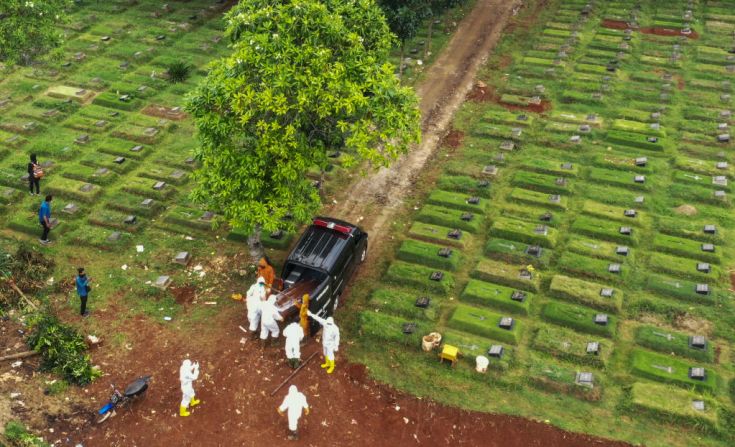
295,403
269,318
188,373
294,333
254,301
330,336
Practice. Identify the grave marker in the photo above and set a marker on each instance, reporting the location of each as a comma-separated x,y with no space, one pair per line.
491,170
622,250
162,282
119,160
584,379
182,258
697,342
708,248
593,348
613,268
507,145
495,351
86,187
445,252
601,319
136,148
158,186
436,276
114,236
639,179
455,234
630,213
506,323
698,405
702,289
422,302
607,292
703,267
697,373
626,230
467,217
70,208
130,220
147,203
518,295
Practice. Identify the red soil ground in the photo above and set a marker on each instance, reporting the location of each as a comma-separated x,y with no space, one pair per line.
453,139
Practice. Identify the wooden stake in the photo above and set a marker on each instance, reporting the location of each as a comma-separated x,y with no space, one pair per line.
20,355
296,371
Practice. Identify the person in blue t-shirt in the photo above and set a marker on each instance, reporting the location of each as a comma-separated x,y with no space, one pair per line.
44,218
83,290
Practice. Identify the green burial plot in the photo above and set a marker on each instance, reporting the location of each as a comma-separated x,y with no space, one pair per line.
546,166
635,140
588,293
138,134
506,117
532,214
385,327
667,369
456,200
133,204
680,289
114,219
618,178
691,229
553,377
122,148
402,303
429,255
506,274
701,180
144,188
437,234
188,217
77,94
73,189
518,252
417,276
12,178
593,267
540,199
671,342
561,127
703,167
447,217
610,212
498,130
599,249
684,268
685,247
579,318
542,182
616,196
164,173
572,347
102,160
464,184
275,240
524,231
87,124
98,176
114,101
606,230
484,323
470,346
497,297
673,405
699,194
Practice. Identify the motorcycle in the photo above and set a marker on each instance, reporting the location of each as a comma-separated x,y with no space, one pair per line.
134,391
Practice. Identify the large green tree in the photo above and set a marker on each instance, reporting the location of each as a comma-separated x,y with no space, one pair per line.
305,78
29,28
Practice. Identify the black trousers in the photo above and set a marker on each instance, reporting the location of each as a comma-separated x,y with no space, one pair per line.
46,229
34,181
83,307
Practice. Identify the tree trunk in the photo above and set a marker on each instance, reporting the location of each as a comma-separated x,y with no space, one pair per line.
427,47
321,183
254,244
20,355
400,62
22,295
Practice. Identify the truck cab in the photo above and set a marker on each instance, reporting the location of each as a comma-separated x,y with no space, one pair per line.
321,264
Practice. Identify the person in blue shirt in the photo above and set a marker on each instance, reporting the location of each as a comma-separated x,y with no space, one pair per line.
82,290
44,218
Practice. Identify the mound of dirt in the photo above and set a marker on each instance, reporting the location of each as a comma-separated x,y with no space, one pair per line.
480,92
453,139
686,210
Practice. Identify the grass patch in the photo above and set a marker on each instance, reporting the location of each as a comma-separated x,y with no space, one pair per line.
585,292
497,297
578,318
667,369
405,274
667,341
571,346
484,323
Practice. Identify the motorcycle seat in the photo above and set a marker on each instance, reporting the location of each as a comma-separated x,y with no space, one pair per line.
137,387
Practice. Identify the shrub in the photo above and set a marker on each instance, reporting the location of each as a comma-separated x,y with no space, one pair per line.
178,71
484,323
62,350
495,296
667,341
664,368
19,436
428,254
579,318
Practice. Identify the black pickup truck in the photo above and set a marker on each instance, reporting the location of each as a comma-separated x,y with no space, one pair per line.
321,265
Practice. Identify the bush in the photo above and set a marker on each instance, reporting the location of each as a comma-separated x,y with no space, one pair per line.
178,71
495,296
578,318
654,366
428,254
585,292
62,350
28,268
571,346
484,323
18,436
667,341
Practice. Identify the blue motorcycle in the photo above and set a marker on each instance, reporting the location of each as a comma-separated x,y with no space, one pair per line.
133,391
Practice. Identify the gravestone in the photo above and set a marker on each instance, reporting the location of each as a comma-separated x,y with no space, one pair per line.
719,180
593,348
613,268
516,132
555,198
105,38
499,157
697,342
436,276
546,217
182,258
207,216
86,187
70,208
100,123
656,116
455,234
518,295
721,165
473,200
123,66
703,267
506,323
113,114
136,148
698,405
601,319
158,186
125,98
534,250
82,139
422,302
542,230
708,248
626,231
525,274
720,194
639,199
567,166
277,235
162,282
722,126
119,160
147,203
507,145
697,373
490,170
655,126
483,184
576,139
101,172
560,181
114,236
177,174
702,289
467,217
495,351
710,229
160,37
150,131
652,139
723,138
130,220
630,213
445,252
584,379
639,179
622,250
607,292
585,128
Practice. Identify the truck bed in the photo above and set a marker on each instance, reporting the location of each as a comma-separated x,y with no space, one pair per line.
285,300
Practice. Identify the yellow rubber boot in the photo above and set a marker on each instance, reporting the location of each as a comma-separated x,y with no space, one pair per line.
194,402
325,364
183,412
330,370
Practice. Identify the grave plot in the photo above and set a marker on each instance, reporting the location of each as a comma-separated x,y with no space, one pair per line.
681,406
606,230
465,184
451,218
667,369
501,298
626,179
406,303
393,329
599,249
524,231
420,277
570,346
458,201
484,323
512,251
684,268
511,275
579,318
439,234
552,201
627,216
616,272
501,356
430,255
694,249
693,346
556,377
542,182
599,296
696,292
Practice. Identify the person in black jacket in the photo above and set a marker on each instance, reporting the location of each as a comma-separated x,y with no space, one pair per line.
32,179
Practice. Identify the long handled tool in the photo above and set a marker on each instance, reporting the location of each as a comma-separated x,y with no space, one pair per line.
296,371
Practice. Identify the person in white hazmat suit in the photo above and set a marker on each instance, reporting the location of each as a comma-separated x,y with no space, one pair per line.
330,340
294,333
269,318
294,403
254,301
188,373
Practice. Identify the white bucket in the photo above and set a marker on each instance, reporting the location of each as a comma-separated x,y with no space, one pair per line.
431,341
481,363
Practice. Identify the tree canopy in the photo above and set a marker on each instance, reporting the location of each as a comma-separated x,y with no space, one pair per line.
29,28
305,78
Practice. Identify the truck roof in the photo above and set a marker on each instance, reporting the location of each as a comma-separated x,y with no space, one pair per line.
323,242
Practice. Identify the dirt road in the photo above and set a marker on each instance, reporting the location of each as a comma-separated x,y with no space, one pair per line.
447,83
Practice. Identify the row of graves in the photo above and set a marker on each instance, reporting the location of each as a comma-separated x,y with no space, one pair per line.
585,219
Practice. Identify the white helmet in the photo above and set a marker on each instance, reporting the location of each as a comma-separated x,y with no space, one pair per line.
261,280
186,364
330,320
